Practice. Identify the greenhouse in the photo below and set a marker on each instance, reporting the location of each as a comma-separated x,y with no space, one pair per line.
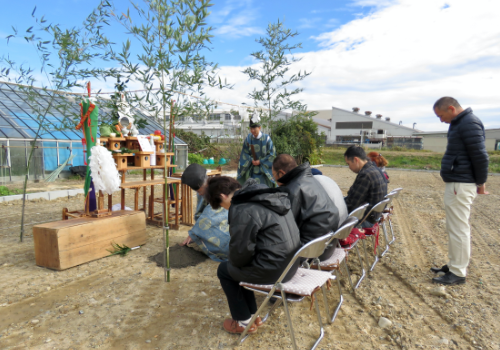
54,146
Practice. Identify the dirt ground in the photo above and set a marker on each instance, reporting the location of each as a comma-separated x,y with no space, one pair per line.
124,303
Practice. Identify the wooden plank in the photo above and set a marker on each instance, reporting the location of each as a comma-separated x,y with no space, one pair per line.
99,250
68,243
46,248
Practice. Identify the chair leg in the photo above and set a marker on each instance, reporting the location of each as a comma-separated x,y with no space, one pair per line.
348,274
325,300
375,258
363,273
386,239
392,231
321,329
244,335
341,298
275,305
289,319
368,267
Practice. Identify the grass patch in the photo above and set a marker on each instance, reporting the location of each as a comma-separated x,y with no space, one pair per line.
408,160
4,191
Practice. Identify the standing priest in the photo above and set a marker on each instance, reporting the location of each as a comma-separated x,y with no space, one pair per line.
257,155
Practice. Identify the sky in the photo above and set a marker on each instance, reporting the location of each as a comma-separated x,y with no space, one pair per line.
391,57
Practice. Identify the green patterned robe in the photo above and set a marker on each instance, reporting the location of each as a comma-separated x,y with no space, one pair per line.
265,151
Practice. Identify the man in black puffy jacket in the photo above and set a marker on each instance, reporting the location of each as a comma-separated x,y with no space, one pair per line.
264,239
464,169
314,211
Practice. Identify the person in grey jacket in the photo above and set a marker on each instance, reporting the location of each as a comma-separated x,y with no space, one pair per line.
264,239
464,169
314,211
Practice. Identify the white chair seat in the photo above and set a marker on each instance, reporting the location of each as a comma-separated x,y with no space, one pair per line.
334,261
305,282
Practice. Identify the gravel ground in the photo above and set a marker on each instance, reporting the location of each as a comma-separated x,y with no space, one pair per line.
124,303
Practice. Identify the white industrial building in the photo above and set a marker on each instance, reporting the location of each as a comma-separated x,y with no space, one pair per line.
436,141
353,127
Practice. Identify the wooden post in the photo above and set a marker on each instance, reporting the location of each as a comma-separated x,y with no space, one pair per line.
144,191
123,192
136,199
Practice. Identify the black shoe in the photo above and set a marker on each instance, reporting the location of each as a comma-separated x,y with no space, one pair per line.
444,269
449,278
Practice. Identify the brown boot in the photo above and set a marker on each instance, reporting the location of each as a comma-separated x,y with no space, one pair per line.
232,326
258,322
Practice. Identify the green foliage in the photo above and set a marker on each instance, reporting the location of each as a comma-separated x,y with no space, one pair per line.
299,138
196,143
274,75
65,56
114,105
172,36
118,249
195,158
4,191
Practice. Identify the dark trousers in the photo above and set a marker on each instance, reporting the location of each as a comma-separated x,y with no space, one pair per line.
241,301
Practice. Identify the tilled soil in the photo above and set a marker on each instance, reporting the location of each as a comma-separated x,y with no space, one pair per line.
124,303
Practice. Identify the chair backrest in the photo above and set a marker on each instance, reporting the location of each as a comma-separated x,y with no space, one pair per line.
347,226
310,250
391,196
359,212
397,191
377,208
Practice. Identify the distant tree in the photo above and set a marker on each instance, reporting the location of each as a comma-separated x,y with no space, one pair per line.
273,74
171,65
67,57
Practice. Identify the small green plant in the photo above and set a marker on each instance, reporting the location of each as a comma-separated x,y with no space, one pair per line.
4,191
118,249
195,158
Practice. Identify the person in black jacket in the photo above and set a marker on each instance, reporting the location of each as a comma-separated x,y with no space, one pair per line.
314,211
464,169
264,239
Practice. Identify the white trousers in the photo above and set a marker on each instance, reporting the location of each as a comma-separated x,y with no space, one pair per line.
458,198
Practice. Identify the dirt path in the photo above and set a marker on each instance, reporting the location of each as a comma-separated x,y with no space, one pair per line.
123,303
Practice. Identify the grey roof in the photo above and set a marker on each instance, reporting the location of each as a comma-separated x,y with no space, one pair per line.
18,118
378,120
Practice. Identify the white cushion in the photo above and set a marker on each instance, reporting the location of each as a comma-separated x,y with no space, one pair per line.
305,282
334,261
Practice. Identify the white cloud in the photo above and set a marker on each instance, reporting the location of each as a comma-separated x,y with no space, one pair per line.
398,60
234,19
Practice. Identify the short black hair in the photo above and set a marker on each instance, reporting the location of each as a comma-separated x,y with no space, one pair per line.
284,162
444,102
355,151
218,185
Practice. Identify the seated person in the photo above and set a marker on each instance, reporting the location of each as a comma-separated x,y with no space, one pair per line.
210,231
313,210
380,162
335,193
370,185
264,239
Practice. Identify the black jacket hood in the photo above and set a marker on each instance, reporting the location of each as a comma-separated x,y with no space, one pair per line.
275,199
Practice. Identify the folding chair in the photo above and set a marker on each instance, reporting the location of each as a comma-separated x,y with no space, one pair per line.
332,264
304,283
389,211
377,208
358,214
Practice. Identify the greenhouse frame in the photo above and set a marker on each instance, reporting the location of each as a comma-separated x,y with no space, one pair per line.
18,127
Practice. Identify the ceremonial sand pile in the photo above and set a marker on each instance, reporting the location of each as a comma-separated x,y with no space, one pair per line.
123,303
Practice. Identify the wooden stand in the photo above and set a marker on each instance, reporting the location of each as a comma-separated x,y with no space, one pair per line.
63,244
187,213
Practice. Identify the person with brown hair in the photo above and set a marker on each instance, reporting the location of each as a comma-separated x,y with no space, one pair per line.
380,162
264,239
